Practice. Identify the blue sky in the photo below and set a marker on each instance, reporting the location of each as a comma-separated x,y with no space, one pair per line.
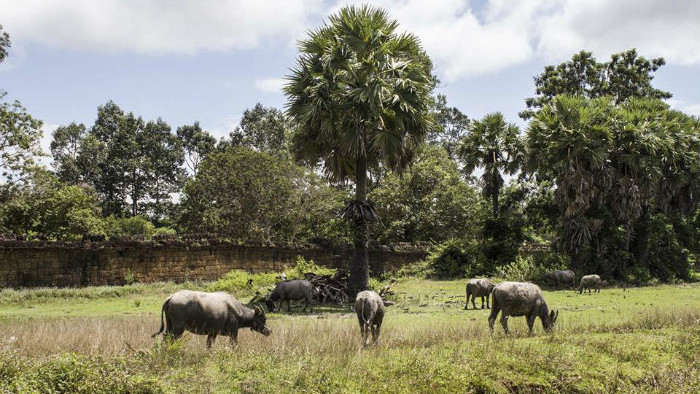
208,61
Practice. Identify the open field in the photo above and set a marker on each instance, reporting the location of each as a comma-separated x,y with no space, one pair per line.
98,339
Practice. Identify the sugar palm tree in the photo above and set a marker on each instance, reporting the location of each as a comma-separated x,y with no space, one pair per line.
495,146
360,93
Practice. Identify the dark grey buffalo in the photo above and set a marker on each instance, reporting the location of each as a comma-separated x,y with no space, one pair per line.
291,290
369,307
560,277
590,282
479,288
520,299
209,314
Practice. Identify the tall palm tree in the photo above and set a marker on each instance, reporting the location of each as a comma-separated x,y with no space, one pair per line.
493,145
360,93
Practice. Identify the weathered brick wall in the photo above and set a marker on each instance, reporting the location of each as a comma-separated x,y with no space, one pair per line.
65,264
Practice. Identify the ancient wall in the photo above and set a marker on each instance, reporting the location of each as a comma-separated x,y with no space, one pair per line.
65,264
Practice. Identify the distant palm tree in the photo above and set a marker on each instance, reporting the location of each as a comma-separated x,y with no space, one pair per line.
360,93
495,146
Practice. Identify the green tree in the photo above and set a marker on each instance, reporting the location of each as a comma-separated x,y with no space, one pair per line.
451,126
626,75
265,129
247,194
197,144
49,207
4,44
19,140
65,149
360,93
428,202
494,146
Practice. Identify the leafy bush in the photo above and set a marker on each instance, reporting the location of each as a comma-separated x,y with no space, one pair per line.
456,259
164,231
71,373
523,269
136,225
303,266
236,283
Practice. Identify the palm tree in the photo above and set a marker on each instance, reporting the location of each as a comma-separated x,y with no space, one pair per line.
495,146
360,93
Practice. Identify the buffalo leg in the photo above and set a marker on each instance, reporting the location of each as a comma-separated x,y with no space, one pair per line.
289,308
474,301
494,314
530,323
311,306
504,322
487,302
210,340
482,302
234,337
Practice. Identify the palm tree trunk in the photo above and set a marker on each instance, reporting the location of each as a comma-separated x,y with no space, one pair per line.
359,271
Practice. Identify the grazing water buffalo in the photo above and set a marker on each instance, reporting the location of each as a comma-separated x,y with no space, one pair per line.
369,307
478,288
590,282
559,277
209,314
520,299
291,290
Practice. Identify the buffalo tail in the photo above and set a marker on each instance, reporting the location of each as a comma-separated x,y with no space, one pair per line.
162,311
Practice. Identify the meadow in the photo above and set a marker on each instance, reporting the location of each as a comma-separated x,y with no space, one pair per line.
97,339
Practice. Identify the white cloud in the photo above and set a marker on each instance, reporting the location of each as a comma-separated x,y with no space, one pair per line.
270,85
156,26
684,106
655,27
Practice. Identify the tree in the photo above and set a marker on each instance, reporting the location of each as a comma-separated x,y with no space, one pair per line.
19,140
451,126
133,164
495,146
65,149
197,144
626,75
247,194
428,202
265,129
4,44
360,93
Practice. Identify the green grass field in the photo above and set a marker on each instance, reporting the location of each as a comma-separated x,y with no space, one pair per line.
98,340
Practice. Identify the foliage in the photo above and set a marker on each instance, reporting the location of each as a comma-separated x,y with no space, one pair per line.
236,282
135,225
134,165
494,146
246,194
304,266
49,207
19,140
456,259
626,75
450,126
4,44
428,202
265,129
614,168
197,144
72,373
360,94
65,149
523,269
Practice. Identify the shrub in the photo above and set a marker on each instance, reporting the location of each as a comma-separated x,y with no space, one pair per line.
136,225
303,266
236,283
523,269
455,259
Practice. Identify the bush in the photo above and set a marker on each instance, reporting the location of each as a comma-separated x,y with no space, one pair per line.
523,269
137,225
71,373
455,259
303,266
236,283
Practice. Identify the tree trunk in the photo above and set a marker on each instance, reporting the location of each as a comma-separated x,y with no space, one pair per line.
640,245
494,201
359,272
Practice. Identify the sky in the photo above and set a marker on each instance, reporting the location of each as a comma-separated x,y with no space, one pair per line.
209,60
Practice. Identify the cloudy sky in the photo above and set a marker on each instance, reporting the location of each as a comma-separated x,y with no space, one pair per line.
209,60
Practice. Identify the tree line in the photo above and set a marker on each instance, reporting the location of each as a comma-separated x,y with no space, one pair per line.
604,175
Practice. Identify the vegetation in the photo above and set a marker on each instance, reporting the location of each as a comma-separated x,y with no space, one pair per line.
624,340
360,94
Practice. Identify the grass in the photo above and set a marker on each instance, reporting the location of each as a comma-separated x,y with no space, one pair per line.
632,340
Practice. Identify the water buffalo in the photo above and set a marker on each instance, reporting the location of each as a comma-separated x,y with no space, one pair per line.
291,290
209,314
559,277
520,299
369,307
590,282
478,288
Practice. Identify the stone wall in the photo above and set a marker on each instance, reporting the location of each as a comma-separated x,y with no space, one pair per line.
65,264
